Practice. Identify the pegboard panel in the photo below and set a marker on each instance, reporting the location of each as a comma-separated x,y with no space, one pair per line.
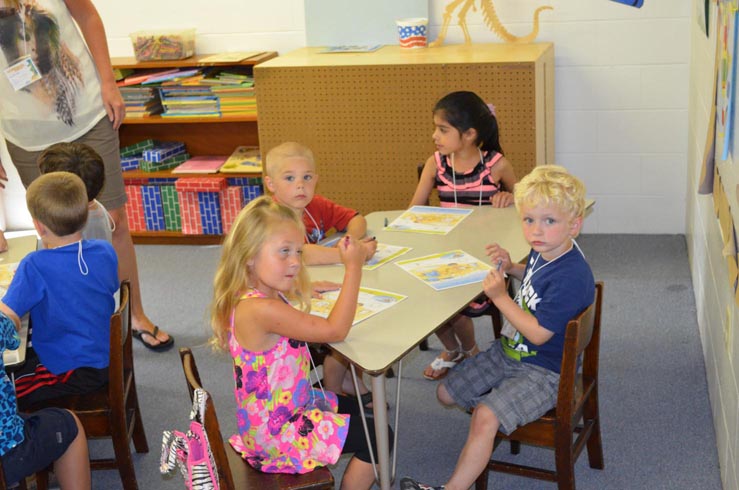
369,125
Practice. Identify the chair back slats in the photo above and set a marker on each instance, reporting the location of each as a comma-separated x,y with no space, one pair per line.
118,372
591,358
210,421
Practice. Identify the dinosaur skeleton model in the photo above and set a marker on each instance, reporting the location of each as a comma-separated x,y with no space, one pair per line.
491,20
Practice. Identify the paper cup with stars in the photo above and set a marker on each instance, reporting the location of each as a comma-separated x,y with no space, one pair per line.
413,32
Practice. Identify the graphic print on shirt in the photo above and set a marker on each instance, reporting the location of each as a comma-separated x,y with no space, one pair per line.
26,29
527,298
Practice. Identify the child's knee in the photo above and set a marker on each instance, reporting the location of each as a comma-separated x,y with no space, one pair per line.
442,394
484,421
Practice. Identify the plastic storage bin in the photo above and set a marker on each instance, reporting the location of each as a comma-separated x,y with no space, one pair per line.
163,45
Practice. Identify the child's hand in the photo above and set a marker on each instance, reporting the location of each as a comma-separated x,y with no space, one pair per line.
501,199
499,257
351,251
370,246
318,287
494,284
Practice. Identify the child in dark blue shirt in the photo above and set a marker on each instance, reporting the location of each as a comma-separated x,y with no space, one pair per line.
516,380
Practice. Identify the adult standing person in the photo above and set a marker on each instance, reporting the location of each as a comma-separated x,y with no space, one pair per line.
56,86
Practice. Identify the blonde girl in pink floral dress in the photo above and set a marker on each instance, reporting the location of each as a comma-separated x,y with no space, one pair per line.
285,426
291,427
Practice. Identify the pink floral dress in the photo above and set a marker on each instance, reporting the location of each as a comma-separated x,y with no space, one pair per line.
285,426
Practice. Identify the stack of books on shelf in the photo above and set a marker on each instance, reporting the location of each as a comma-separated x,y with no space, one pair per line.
141,101
235,92
203,92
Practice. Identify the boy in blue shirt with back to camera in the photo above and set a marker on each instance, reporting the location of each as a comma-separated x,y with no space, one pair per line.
31,442
68,289
516,380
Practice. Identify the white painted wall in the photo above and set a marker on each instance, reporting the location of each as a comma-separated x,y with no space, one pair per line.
621,91
717,313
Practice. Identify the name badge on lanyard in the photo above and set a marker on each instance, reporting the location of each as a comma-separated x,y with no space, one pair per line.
22,73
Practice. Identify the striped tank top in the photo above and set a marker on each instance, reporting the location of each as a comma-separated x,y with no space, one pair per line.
472,188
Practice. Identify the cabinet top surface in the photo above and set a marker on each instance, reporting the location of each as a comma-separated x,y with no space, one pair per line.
395,55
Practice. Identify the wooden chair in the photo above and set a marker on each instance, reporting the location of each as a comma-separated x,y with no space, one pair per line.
233,471
576,411
112,411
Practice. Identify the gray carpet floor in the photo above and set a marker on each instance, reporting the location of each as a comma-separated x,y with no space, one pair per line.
656,418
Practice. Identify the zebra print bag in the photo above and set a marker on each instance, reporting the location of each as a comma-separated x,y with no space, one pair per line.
190,452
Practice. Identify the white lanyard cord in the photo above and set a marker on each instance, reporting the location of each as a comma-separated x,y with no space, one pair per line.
22,15
81,260
320,232
534,271
320,385
454,180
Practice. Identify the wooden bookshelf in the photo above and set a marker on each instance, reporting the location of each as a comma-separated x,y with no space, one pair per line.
201,135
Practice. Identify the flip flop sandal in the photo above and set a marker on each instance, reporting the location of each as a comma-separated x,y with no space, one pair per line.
161,346
443,366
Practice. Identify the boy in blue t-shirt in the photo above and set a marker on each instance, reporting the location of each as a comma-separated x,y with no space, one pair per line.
31,442
68,289
516,380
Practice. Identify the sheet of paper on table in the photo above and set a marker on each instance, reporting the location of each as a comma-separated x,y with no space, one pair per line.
429,219
447,269
369,303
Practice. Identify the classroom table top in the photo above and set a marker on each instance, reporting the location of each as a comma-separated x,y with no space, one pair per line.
379,341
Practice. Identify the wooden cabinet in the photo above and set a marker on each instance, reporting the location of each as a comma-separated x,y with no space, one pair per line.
201,135
367,117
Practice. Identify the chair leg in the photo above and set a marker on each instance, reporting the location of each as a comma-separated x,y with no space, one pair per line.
481,483
424,345
515,447
123,455
42,479
139,435
594,444
564,461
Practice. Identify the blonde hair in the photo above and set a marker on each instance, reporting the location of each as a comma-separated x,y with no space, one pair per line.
551,185
277,156
59,201
253,226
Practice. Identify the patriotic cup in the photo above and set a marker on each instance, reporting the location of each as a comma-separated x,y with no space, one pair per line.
412,32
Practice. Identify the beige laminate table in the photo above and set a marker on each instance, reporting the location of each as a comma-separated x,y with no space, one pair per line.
378,342
18,248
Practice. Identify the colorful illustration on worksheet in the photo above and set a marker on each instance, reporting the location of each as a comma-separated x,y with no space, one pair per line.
370,302
429,219
446,270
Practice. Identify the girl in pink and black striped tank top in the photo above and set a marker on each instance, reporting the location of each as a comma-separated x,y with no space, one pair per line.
468,169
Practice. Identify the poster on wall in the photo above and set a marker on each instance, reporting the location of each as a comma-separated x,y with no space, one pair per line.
727,36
